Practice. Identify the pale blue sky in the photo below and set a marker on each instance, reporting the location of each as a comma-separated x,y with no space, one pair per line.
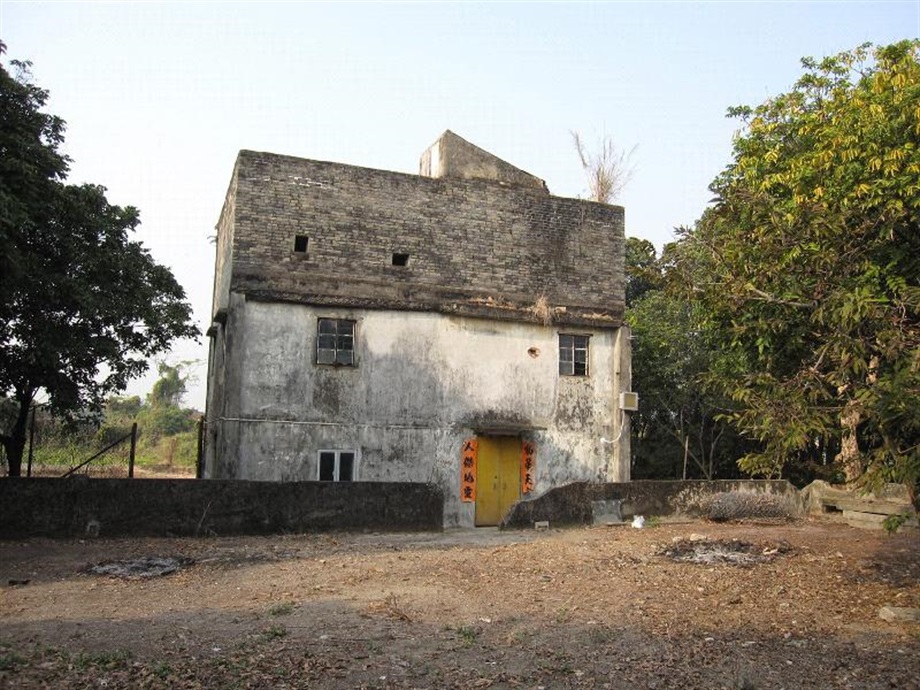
159,96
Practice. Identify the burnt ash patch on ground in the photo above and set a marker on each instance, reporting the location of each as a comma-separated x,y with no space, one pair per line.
724,551
139,568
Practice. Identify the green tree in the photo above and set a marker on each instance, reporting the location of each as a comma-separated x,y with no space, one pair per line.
84,307
163,415
170,387
119,415
807,267
123,407
643,272
30,162
679,428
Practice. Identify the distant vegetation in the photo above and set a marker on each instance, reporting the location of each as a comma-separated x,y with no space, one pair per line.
167,432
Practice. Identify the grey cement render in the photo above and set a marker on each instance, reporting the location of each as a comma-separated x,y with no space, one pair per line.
460,342
423,384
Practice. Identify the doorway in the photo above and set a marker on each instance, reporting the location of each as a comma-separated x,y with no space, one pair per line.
498,480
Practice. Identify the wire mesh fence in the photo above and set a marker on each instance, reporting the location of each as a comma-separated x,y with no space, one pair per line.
63,463
56,449
738,505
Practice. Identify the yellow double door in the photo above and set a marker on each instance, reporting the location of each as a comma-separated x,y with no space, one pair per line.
498,478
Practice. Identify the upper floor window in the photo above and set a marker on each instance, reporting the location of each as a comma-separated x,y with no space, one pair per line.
335,342
573,355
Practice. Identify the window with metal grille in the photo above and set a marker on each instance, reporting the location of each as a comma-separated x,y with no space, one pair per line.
573,355
335,342
337,465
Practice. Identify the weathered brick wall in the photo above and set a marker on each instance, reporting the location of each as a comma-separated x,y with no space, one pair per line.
163,507
475,247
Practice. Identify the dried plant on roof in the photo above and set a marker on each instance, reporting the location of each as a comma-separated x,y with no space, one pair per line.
608,170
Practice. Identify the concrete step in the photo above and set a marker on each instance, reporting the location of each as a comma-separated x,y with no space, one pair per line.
855,518
867,505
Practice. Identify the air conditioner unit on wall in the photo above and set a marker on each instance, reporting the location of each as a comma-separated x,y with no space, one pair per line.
629,401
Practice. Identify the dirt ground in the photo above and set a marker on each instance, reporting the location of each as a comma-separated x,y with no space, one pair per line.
601,607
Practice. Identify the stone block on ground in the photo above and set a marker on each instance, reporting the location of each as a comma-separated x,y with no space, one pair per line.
855,518
899,614
606,512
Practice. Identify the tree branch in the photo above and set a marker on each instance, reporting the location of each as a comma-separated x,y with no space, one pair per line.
767,297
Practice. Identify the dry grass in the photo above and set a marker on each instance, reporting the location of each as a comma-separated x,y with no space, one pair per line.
542,310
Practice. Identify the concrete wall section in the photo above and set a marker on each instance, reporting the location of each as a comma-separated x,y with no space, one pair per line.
223,269
165,507
622,382
453,156
423,383
577,503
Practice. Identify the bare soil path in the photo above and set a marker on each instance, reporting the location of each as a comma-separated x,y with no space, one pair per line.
601,607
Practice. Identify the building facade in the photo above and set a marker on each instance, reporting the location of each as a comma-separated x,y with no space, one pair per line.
461,326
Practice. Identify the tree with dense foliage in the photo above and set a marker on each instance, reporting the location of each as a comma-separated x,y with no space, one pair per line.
82,306
643,272
807,267
30,163
679,429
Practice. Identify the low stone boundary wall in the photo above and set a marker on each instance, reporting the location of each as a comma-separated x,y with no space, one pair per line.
188,507
585,503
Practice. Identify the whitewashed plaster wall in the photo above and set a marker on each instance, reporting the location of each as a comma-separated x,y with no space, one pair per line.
424,382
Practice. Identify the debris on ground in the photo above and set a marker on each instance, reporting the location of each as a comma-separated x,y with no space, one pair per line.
582,608
731,551
139,568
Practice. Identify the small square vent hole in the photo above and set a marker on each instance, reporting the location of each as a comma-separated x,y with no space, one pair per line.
300,243
400,259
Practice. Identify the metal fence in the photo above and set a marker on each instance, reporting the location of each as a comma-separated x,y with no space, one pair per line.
109,461
54,449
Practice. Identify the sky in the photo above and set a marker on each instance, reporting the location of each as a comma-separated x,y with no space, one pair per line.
159,97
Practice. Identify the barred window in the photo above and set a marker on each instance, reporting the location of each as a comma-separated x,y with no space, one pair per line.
335,342
573,355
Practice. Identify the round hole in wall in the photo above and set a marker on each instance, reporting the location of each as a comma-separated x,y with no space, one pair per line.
534,352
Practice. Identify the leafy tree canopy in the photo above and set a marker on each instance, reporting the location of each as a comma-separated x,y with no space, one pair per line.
171,386
642,269
807,268
30,162
679,429
83,306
